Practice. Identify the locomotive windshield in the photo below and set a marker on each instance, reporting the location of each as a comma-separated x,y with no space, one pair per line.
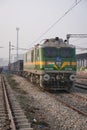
66,52
53,52
50,52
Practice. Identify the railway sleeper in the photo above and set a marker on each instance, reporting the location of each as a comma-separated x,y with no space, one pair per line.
19,115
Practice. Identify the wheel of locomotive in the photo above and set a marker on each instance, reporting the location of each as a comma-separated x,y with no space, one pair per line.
34,79
70,86
31,78
28,78
41,83
37,79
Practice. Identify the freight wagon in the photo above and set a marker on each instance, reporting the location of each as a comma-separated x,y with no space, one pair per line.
17,67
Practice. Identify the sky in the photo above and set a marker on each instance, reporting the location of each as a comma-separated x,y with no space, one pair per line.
34,17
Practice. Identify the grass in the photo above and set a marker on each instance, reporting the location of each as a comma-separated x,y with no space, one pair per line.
14,85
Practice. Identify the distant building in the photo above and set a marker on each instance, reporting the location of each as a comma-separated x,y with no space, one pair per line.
82,61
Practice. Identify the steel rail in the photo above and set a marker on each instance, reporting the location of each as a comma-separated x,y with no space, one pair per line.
68,105
13,127
81,85
79,97
72,107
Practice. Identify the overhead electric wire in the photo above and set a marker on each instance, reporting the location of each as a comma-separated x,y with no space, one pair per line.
81,48
15,48
75,40
57,21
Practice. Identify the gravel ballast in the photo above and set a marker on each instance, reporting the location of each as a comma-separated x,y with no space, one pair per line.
41,107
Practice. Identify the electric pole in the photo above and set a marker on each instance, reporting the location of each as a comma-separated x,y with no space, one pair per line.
17,29
9,55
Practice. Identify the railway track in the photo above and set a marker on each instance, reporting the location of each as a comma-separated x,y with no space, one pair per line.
12,116
73,101
81,85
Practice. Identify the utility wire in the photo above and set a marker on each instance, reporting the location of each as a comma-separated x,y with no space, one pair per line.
57,21
23,49
75,40
81,48
15,48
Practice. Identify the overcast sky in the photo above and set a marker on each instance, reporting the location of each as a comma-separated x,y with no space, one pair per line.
34,17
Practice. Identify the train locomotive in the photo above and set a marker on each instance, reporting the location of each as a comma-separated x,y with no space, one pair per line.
51,65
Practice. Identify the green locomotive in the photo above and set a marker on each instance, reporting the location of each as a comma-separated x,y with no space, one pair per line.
51,64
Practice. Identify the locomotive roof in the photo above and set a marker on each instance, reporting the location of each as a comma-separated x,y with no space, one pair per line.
55,42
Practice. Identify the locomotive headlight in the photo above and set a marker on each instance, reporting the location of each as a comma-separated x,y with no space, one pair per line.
46,77
72,77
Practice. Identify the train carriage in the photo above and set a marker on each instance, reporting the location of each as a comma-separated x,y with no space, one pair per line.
1,69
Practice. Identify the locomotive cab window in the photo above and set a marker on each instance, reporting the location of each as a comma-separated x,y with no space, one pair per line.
50,52
32,55
66,52
37,54
25,57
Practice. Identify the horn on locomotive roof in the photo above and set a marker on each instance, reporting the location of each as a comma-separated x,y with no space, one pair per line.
57,38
